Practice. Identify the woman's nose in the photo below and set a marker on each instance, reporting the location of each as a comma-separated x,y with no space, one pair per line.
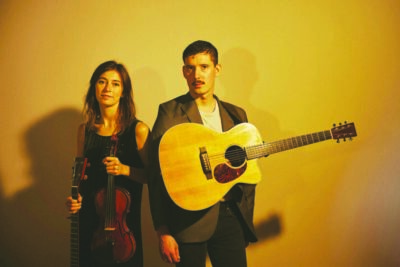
108,87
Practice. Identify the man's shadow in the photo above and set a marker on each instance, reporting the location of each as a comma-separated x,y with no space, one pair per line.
239,77
34,227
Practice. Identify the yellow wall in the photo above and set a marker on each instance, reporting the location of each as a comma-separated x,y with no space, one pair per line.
296,66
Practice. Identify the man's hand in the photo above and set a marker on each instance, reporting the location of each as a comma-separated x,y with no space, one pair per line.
169,249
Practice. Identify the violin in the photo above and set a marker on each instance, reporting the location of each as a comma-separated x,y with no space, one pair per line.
113,242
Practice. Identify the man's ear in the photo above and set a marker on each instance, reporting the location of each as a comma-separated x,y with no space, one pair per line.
218,69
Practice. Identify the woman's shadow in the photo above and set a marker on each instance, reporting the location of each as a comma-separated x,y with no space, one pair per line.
34,226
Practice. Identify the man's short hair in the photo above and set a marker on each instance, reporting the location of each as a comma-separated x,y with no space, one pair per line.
201,47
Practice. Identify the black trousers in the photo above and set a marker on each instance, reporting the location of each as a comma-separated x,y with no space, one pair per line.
226,247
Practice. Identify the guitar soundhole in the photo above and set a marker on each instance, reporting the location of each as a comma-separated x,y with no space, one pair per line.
235,155
233,168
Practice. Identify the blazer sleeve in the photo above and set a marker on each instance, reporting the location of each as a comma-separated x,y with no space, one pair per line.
157,193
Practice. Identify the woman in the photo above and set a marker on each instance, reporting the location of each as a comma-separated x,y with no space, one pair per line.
110,122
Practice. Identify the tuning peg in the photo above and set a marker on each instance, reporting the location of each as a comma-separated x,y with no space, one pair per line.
334,125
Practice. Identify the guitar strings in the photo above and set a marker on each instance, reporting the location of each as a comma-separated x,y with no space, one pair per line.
239,154
273,147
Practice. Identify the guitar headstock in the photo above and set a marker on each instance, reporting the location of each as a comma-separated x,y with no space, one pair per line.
343,131
78,170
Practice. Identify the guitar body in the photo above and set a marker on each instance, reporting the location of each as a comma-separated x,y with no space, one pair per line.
199,166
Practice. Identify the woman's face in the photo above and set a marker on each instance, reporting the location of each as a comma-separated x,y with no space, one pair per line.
109,89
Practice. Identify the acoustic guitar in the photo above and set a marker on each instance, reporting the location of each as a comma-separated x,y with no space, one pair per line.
78,173
199,166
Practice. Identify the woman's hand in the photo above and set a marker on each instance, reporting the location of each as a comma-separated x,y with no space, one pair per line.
115,167
73,205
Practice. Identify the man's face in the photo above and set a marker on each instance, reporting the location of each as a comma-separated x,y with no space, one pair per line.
200,72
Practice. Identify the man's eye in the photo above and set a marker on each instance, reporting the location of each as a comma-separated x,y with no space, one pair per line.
189,68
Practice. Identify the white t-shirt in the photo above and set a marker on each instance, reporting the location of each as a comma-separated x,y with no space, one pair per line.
212,119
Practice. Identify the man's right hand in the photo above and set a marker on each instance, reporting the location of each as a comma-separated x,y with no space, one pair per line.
169,249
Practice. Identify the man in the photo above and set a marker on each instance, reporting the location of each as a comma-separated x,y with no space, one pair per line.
223,230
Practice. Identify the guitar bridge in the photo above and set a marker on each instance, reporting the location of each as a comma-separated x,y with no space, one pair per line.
205,163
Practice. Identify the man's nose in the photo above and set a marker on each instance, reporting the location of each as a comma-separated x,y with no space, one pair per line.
197,73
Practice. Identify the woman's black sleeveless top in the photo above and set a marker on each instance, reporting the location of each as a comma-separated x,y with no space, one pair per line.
96,148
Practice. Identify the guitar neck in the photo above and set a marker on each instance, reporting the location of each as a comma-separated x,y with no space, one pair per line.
78,173
266,149
74,250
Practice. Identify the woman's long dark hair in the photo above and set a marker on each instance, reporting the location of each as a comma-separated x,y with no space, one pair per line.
126,108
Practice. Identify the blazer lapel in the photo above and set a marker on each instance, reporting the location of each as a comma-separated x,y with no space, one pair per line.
226,119
189,108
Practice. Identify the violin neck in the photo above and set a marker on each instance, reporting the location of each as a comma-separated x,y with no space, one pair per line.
110,204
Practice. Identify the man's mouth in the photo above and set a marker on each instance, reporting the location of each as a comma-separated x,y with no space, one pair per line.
197,83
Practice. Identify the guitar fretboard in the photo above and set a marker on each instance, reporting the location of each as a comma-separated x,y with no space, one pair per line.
265,149
78,173
74,250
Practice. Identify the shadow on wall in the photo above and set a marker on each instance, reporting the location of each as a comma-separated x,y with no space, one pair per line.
240,83
269,228
34,229
149,92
